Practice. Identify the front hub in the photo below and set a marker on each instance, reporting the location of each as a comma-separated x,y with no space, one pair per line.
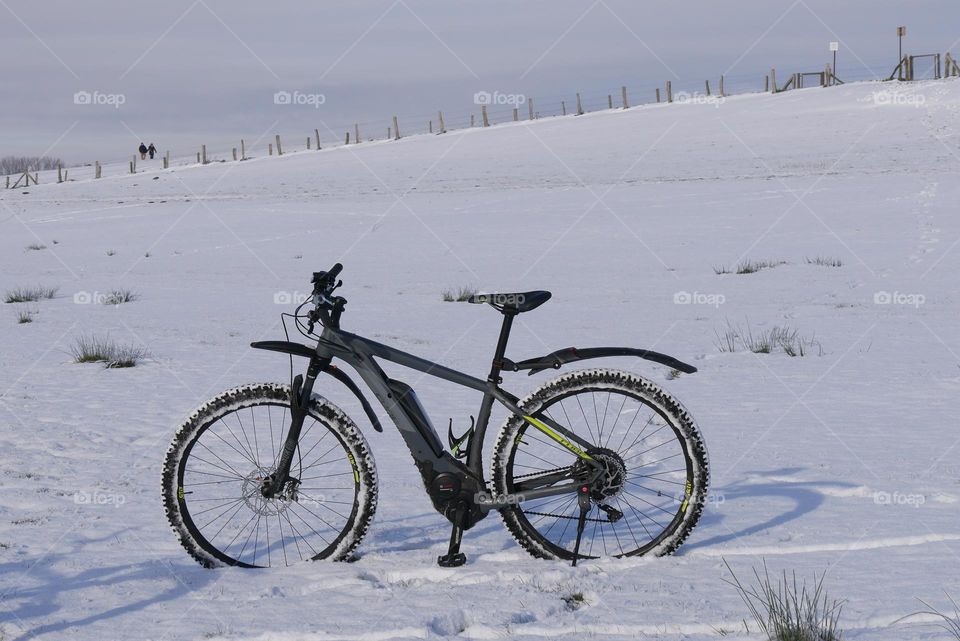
264,495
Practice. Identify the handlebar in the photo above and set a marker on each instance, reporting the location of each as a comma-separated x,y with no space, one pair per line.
326,309
325,282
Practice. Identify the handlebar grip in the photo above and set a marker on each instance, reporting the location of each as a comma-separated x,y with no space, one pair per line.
336,269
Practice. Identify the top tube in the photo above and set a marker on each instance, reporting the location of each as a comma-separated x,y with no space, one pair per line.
352,341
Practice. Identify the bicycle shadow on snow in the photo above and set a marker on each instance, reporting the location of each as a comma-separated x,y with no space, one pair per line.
44,600
805,496
422,532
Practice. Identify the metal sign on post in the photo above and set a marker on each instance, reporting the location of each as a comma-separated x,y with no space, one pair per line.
834,47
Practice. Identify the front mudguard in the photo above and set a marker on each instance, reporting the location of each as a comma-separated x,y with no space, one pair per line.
296,349
557,359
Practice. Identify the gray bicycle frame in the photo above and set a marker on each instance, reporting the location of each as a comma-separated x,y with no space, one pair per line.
422,439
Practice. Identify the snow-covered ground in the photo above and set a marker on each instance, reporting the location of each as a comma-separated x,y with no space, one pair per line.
843,461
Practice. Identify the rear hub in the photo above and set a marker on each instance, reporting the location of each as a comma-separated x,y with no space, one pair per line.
613,477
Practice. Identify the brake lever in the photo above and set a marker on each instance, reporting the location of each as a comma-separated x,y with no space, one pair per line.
313,316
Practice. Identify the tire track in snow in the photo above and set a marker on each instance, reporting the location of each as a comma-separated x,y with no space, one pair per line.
875,544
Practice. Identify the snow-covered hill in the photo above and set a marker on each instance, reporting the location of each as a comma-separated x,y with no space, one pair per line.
843,461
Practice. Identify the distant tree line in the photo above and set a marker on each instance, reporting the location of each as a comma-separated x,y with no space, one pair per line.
20,164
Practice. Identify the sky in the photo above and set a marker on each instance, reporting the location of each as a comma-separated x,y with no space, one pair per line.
90,80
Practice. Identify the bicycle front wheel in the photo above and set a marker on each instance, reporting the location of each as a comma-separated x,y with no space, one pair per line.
655,467
215,469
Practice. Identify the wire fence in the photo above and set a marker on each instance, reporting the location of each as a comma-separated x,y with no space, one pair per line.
490,109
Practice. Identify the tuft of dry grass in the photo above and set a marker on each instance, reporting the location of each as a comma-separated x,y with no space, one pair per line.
102,349
460,294
30,294
786,610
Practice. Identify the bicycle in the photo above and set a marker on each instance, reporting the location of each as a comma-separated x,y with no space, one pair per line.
258,457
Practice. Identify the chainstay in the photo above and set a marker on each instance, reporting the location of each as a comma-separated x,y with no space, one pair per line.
564,516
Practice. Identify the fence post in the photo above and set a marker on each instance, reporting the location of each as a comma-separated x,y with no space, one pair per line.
472,117
722,94
658,94
530,109
132,170
623,95
669,91
396,129
346,140
563,107
166,160
316,132
96,170
707,84
134,161
483,115
773,80
203,151
443,127
356,133
59,173
609,101
66,173
430,126
8,182
270,148
243,150
308,144
279,148
579,106
516,114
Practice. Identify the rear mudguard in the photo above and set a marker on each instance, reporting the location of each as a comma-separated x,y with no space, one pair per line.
557,359
297,349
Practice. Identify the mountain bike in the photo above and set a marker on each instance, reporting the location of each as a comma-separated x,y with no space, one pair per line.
597,462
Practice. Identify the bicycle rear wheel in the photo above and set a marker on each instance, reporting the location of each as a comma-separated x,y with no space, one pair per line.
655,467
216,465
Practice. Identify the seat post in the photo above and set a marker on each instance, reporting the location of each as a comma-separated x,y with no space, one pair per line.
497,364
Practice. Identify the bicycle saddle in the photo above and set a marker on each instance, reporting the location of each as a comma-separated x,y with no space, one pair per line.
516,303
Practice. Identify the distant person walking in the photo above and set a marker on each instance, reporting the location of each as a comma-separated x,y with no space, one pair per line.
151,150
143,151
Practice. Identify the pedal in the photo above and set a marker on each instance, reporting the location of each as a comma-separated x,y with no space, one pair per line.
452,560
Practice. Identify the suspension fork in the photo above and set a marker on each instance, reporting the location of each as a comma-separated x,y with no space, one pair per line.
300,394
